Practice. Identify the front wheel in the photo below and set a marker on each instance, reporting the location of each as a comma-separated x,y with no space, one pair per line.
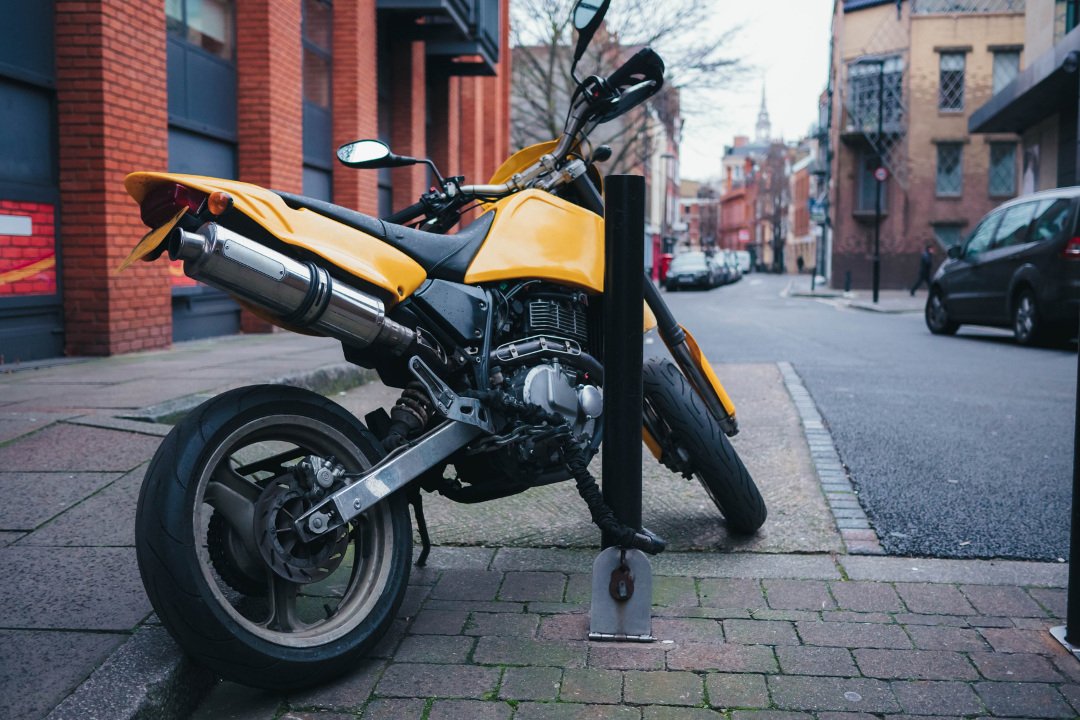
693,442
937,316
219,557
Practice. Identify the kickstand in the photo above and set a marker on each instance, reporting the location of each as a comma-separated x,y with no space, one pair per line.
417,502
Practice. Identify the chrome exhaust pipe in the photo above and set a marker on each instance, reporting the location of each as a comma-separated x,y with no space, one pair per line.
299,293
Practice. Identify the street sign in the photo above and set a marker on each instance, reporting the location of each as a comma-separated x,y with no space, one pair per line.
881,174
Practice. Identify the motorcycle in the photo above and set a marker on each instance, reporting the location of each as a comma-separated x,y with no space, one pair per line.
273,533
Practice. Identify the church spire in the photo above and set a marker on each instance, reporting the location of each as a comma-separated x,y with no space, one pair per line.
763,129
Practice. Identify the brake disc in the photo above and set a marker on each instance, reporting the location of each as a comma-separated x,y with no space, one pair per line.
281,502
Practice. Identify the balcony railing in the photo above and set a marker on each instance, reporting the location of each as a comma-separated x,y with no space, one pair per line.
456,28
961,7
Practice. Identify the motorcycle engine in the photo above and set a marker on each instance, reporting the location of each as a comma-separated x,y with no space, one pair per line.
555,389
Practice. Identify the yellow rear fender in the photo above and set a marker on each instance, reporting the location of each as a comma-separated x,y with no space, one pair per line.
356,253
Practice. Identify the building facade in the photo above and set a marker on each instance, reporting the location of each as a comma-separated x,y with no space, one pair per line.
906,76
256,90
1041,102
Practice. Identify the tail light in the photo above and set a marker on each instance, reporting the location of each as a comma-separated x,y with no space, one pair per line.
1072,249
160,204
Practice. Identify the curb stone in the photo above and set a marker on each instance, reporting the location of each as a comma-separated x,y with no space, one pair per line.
855,531
148,676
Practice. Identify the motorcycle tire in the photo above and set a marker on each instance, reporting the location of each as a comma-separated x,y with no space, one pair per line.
690,427
290,634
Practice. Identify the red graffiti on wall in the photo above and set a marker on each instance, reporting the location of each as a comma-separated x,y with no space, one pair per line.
28,253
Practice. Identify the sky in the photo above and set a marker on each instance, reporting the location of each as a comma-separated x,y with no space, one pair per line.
785,44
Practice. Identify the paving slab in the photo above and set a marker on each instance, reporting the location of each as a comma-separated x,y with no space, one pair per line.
17,424
28,499
106,518
78,588
52,664
75,448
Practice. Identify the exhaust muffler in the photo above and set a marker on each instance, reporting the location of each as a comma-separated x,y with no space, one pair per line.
299,293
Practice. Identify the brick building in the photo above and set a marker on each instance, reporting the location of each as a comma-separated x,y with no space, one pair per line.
935,62
1041,101
257,90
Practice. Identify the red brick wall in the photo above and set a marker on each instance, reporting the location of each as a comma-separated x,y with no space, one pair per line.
28,262
269,103
355,91
269,96
111,100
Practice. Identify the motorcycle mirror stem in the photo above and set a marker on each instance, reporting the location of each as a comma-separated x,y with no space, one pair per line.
586,16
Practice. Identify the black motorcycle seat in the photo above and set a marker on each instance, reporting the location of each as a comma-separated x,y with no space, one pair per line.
444,257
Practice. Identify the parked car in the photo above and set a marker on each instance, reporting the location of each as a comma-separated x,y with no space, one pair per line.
744,260
1019,268
731,261
692,269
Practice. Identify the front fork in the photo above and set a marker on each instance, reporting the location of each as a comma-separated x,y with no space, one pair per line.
688,356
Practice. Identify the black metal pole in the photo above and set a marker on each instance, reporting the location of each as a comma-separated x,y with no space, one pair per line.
877,181
1072,613
624,250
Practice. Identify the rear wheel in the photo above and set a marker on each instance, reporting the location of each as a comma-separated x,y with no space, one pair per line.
695,444
221,562
937,316
1027,323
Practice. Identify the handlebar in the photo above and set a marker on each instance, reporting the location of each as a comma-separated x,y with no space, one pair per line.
405,215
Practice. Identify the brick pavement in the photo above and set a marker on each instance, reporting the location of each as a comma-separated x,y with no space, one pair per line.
479,640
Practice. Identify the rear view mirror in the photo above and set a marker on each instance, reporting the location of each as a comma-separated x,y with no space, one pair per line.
955,252
371,154
587,16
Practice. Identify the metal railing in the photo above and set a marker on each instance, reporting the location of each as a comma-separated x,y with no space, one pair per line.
957,7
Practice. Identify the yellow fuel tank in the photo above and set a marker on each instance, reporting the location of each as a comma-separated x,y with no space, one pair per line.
538,235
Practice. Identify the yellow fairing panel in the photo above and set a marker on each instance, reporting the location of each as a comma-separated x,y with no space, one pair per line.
703,363
537,235
355,252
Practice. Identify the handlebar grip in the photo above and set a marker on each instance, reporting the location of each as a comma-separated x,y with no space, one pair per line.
644,65
405,215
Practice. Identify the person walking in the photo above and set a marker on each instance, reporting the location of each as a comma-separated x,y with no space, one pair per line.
926,261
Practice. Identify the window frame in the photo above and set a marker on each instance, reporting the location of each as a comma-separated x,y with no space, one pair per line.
991,173
999,55
951,93
939,147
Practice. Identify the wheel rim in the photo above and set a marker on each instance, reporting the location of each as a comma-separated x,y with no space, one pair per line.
291,614
1025,317
938,316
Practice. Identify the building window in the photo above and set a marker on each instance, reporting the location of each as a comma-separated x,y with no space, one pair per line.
948,235
1003,169
1006,68
866,190
1065,17
864,81
206,24
951,95
950,169
317,35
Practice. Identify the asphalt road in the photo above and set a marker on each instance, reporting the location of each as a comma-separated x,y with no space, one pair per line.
960,447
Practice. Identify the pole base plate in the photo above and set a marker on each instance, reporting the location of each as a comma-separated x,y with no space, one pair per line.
1059,635
627,620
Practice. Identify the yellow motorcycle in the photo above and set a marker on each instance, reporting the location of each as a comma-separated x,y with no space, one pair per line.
273,531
